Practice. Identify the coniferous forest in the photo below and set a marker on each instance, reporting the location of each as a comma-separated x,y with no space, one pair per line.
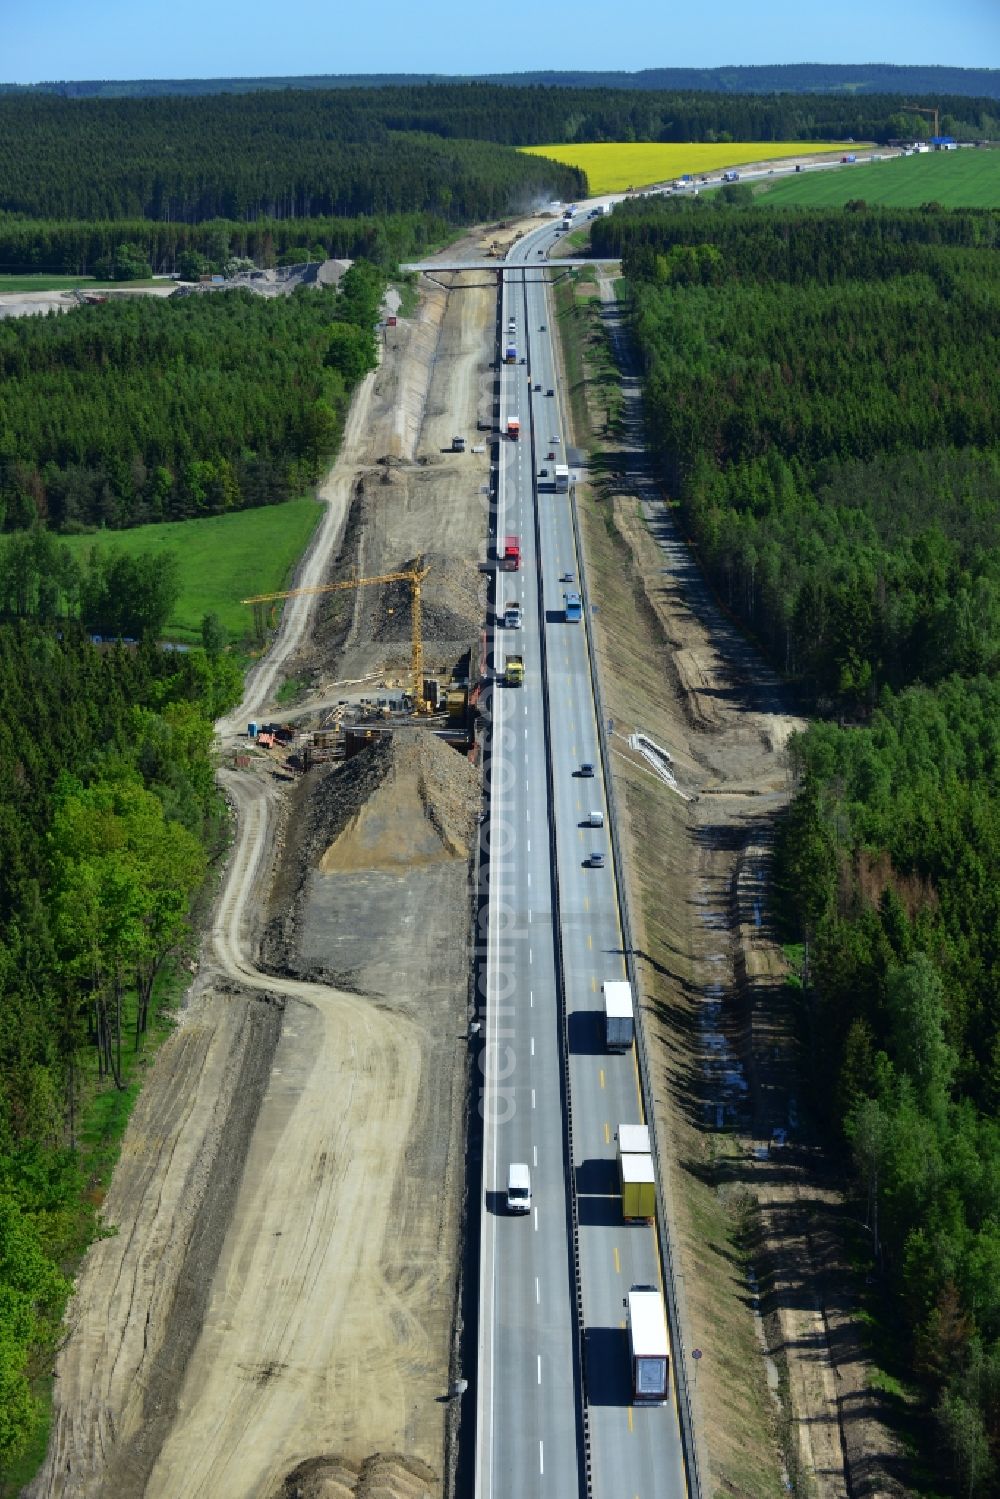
823,397
144,409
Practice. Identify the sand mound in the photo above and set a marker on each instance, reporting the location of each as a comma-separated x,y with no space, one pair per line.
409,799
383,1476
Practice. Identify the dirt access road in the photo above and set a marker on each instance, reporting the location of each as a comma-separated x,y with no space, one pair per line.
260,1312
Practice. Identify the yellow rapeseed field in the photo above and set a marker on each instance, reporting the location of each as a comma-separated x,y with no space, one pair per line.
611,166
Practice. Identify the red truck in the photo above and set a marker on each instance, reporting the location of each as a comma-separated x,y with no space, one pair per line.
511,560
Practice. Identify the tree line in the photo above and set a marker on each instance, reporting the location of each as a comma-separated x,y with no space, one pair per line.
77,247
822,395
107,822
144,409
883,78
438,148
295,155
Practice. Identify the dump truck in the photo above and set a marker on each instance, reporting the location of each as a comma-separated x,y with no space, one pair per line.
619,1019
649,1345
511,561
562,476
514,428
458,444
514,671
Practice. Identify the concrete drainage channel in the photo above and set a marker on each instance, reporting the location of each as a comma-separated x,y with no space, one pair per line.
658,758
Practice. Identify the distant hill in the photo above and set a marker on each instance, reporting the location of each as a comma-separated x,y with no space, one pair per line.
791,78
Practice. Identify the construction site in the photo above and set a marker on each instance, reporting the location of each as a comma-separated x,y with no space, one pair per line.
309,1111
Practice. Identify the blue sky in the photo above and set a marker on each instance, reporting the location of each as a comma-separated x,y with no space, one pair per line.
50,39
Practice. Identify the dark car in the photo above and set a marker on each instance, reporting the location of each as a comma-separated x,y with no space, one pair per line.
550,391
541,327
538,385
543,473
596,860
587,770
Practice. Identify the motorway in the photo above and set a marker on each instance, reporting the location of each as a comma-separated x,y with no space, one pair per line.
554,938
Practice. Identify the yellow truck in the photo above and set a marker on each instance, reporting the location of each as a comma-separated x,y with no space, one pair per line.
514,672
635,1173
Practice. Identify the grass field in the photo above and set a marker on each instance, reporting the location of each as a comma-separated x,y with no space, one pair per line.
956,179
612,167
223,558
42,282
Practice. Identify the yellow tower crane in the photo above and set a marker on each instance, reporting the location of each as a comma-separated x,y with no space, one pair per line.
923,109
414,576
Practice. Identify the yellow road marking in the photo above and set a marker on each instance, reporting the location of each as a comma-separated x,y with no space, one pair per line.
618,1263
607,1133
590,944
630,1418
593,978
602,1085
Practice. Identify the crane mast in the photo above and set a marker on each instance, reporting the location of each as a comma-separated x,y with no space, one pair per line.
414,576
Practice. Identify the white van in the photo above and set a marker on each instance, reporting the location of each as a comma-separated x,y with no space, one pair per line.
518,1188
595,819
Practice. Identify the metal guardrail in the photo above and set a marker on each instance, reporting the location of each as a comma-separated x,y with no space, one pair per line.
684,1411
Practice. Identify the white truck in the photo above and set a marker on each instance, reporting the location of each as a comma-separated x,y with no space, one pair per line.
561,472
512,615
518,1187
649,1345
619,1016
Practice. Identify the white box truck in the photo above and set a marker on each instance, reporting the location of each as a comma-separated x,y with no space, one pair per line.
619,1019
561,472
518,1188
648,1344
633,1139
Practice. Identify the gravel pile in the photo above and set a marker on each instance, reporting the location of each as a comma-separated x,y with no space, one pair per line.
406,803
272,283
453,604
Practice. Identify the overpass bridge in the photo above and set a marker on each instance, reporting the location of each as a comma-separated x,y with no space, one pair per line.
433,267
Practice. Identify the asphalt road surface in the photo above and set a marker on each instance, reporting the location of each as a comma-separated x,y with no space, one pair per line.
530,1436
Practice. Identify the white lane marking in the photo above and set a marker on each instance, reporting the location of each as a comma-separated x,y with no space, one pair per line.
539,1360
531,998
541,1457
532,1098
538,1293
529,845
533,1047
529,881
535,1210
534,1148
530,959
